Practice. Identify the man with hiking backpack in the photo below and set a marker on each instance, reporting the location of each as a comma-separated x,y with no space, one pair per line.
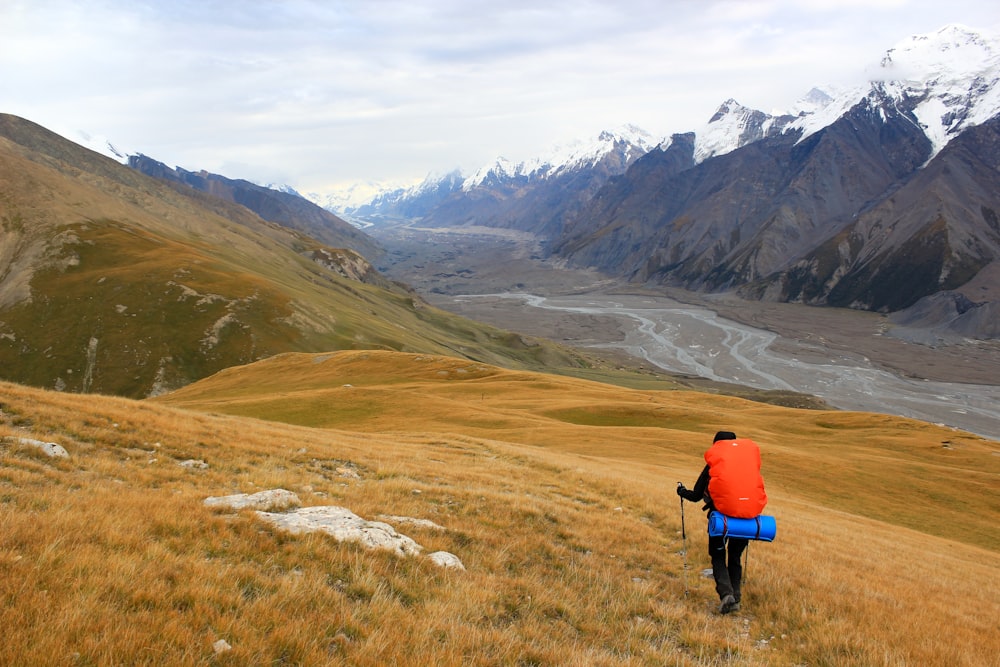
731,484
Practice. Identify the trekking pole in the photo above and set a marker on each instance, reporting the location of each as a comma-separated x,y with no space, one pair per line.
684,553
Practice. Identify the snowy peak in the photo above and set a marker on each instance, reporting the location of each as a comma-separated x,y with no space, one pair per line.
948,81
280,187
954,51
627,142
499,170
99,144
733,126
953,75
815,100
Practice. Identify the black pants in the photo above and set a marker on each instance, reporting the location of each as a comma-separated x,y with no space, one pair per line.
728,576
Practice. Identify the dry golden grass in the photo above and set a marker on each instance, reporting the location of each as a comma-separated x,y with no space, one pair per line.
556,494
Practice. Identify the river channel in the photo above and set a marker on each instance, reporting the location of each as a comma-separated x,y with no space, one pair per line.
692,340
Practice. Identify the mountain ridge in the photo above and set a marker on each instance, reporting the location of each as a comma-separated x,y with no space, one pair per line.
289,209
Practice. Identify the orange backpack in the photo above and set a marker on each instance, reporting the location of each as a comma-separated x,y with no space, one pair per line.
735,484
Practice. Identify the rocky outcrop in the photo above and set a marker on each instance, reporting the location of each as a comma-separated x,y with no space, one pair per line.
338,522
344,526
272,500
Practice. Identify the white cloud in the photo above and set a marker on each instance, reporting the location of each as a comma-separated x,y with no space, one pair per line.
318,93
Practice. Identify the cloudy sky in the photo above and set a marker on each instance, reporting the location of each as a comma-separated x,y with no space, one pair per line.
321,94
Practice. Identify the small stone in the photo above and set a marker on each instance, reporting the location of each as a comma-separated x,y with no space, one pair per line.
51,449
446,560
221,646
193,464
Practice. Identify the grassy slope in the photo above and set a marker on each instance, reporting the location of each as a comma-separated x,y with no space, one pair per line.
557,494
113,282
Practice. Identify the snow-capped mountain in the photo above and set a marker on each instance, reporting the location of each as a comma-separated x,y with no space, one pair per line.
872,197
99,144
345,199
734,126
946,80
530,195
280,187
405,203
629,141
538,195
949,78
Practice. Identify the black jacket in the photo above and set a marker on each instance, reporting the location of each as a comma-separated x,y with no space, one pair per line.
699,492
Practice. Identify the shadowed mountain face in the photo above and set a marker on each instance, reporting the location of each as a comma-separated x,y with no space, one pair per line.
282,208
848,217
936,232
115,282
744,216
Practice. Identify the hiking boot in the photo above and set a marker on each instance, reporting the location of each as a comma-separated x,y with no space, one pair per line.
729,604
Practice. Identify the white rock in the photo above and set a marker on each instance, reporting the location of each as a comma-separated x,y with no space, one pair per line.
193,463
275,499
221,646
50,448
446,560
344,526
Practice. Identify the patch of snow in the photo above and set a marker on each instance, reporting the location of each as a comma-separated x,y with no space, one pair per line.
100,144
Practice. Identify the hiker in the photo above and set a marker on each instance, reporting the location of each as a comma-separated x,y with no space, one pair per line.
730,483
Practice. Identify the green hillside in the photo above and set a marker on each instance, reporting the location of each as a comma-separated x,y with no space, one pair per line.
116,283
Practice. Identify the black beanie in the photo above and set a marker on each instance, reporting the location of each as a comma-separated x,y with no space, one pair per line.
724,435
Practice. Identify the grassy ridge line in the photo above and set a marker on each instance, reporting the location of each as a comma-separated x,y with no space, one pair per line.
901,471
110,557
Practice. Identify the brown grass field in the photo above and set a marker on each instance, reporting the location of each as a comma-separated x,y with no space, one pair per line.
556,493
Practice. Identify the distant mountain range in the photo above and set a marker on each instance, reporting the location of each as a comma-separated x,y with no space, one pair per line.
507,194
274,204
873,198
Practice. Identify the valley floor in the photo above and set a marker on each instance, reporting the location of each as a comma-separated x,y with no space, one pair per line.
866,367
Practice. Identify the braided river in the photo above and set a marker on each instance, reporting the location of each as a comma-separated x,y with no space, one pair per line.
691,340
